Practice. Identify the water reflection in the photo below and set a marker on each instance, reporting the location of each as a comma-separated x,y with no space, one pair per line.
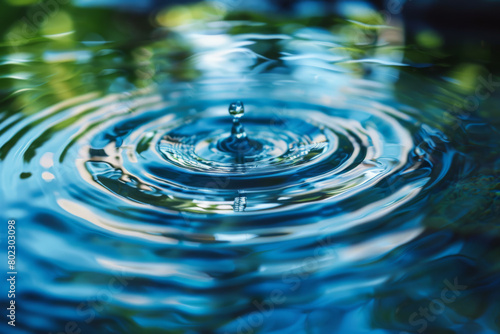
371,192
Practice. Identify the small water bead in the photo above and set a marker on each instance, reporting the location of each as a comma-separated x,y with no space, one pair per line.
237,110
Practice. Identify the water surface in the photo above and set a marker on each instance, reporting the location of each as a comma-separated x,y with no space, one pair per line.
360,194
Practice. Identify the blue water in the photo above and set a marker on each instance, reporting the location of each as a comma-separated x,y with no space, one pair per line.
346,199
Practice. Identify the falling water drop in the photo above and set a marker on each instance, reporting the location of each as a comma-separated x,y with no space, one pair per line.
237,110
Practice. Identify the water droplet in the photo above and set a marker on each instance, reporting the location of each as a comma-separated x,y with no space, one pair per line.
237,109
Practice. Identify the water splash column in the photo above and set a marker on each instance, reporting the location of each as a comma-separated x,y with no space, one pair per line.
238,142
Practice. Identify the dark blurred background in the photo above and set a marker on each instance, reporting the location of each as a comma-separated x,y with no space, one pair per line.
450,30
